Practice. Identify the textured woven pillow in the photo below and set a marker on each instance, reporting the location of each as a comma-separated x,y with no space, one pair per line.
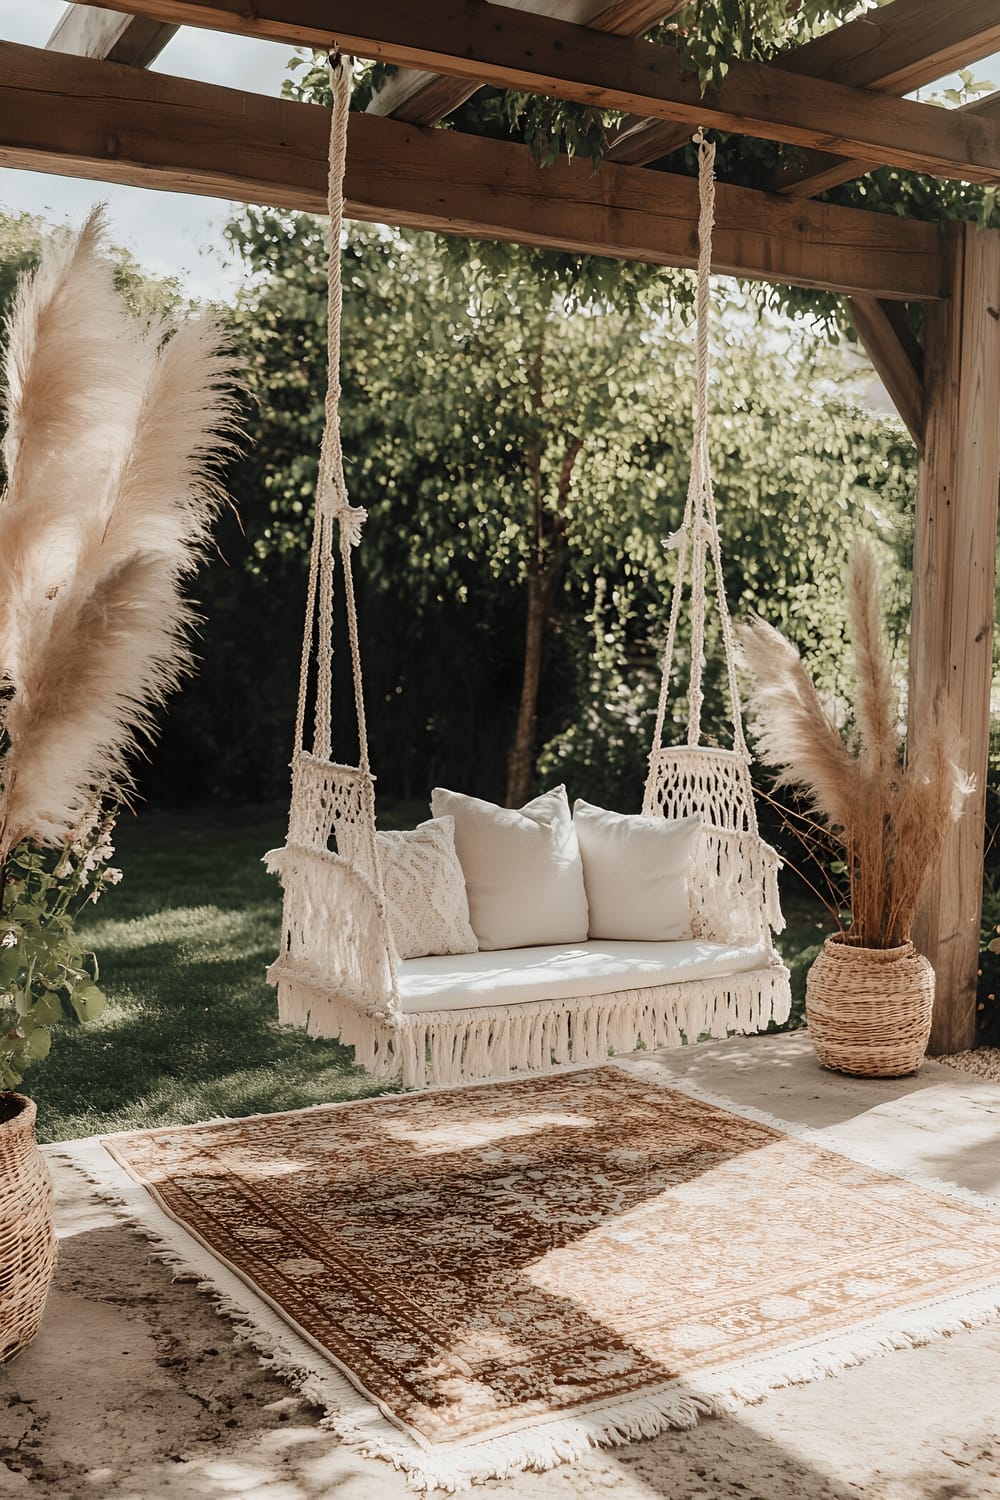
522,869
425,890
636,872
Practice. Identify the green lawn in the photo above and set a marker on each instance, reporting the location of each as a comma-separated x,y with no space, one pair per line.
190,1031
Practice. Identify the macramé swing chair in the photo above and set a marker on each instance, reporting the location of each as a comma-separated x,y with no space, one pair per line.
480,1015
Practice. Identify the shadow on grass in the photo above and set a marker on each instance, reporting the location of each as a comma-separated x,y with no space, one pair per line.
191,1030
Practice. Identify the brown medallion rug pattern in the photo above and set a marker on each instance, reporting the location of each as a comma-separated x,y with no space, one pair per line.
484,1260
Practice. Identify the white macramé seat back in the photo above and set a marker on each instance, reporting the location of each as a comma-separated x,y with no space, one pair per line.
686,781
330,809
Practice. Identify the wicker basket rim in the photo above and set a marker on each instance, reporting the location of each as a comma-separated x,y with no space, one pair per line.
840,943
24,1117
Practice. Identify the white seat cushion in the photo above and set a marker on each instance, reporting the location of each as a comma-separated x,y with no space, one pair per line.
523,871
520,976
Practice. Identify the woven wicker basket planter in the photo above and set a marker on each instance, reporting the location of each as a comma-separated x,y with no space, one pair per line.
869,1009
27,1239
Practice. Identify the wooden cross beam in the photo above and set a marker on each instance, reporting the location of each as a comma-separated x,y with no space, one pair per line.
895,49
513,49
819,171
84,118
88,32
425,98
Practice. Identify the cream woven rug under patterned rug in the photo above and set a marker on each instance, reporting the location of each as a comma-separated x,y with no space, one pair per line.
984,1062
511,1272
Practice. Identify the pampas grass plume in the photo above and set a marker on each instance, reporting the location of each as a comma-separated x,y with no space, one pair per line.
115,430
891,812
793,730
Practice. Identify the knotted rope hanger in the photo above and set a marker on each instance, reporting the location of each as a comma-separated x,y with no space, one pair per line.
698,536
338,523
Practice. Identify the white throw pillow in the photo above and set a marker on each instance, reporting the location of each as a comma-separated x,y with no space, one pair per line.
636,871
522,869
425,890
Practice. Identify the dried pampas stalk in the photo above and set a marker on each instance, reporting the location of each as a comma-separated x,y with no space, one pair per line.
793,730
891,814
875,709
115,430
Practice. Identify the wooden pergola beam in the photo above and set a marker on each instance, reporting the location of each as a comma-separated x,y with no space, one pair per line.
895,49
512,49
902,46
425,98
111,35
84,118
633,17
913,43
820,171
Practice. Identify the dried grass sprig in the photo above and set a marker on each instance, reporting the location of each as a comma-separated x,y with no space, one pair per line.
115,433
891,813
875,710
794,732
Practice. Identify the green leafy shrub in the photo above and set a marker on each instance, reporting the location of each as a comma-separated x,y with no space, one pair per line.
47,978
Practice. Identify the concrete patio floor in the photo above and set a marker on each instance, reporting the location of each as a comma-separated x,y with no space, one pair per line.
136,1390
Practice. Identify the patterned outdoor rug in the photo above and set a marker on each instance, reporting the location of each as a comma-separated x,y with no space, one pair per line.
512,1272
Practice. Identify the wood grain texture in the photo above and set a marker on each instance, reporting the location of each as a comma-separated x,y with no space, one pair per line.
423,98
633,17
513,49
892,360
91,119
951,635
902,46
419,97
818,170
896,49
110,34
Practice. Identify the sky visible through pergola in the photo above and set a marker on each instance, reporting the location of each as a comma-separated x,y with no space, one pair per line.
170,234
175,234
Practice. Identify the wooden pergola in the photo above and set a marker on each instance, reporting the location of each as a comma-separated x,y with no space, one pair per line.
85,107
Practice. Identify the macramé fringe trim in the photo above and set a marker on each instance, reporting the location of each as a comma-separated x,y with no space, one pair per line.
447,1047
368,1431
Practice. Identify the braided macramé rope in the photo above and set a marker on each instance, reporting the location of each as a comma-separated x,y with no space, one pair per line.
337,530
338,524
698,536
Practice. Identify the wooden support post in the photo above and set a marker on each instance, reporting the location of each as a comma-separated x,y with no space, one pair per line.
951,638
